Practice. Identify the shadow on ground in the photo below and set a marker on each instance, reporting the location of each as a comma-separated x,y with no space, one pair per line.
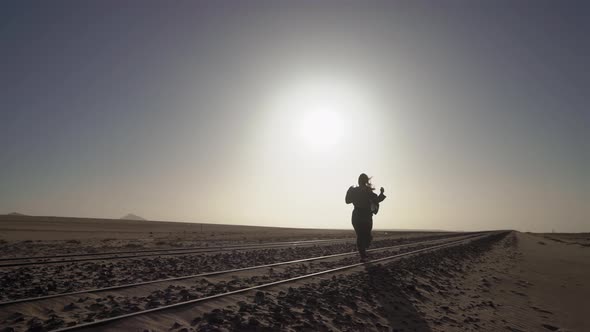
393,302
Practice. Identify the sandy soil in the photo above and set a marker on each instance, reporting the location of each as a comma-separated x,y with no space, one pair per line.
34,228
554,277
581,239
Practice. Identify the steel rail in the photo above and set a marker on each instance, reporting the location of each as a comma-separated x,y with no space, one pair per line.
242,290
171,253
22,258
206,274
176,253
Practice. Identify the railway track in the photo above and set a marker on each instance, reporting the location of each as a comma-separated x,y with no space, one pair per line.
43,260
43,280
95,290
430,245
46,260
106,253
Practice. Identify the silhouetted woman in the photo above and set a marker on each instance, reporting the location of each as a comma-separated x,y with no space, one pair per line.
366,203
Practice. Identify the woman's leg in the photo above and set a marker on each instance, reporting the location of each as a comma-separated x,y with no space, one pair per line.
359,235
365,234
362,223
369,235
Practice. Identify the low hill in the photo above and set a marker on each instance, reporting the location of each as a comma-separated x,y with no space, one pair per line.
131,216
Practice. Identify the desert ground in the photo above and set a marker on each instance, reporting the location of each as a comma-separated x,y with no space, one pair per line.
60,273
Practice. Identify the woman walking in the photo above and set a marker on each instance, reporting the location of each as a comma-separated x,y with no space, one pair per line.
366,203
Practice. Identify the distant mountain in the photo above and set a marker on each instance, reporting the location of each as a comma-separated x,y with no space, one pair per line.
131,216
16,214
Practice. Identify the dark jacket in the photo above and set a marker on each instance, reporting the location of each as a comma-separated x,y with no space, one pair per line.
363,198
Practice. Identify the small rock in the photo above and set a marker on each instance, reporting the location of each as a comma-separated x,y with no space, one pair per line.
196,321
259,297
215,317
253,322
35,325
70,306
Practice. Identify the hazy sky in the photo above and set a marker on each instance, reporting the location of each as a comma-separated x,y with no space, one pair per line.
472,114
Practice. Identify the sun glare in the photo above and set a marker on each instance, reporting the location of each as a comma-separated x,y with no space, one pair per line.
322,128
316,112
319,109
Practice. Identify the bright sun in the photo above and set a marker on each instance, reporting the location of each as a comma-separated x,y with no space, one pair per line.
322,128
318,110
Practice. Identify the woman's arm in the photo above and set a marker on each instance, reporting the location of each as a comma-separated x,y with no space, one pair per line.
378,199
349,194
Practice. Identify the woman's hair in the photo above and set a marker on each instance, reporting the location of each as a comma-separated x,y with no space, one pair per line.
365,182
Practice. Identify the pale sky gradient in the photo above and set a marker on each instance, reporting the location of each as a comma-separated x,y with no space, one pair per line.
472,115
